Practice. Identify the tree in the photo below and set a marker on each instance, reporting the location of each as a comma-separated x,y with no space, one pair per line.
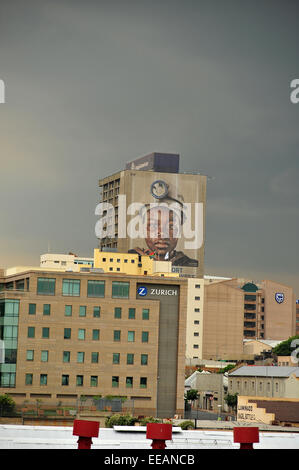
284,348
7,404
232,400
191,395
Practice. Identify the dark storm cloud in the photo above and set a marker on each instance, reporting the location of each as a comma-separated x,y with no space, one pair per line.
91,85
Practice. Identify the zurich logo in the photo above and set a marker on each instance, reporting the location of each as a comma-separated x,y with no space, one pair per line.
279,297
142,291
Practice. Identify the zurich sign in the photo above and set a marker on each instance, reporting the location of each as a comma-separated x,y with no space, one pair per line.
279,297
142,291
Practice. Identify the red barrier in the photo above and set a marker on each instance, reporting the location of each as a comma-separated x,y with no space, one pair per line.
159,433
246,436
85,430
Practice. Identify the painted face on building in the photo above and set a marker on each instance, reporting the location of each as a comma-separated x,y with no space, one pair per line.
162,231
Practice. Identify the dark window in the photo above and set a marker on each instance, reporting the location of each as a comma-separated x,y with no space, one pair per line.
95,288
45,286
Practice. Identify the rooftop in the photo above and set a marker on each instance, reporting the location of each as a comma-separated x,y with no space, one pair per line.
264,371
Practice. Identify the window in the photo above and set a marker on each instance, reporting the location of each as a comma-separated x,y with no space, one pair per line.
195,346
94,357
81,333
252,385
131,336
80,357
45,286
276,386
144,337
120,290
115,358
47,309
197,286
261,386
95,288
115,381
82,311
116,335
71,287
129,382
143,382
268,387
197,310
117,312
28,379
67,333
68,310
130,359
196,322
94,381
32,309
196,333
44,356
43,379
131,313
45,332
95,334
197,298
30,332
96,312
65,379
144,359
29,355
9,308
66,356
79,380
145,314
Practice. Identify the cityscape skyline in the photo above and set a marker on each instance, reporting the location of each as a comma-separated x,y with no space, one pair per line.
91,87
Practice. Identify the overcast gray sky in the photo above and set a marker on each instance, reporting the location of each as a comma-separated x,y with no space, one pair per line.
91,85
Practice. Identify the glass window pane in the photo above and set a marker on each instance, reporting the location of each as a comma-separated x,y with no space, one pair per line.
43,379
143,382
129,382
45,332
117,312
66,356
82,311
68,310
130,358
93,381
96,312
45,286
95,288
131,336
32,309
115,381
145,314
81,333
67,333
28,379
65,380
95,334
116,335
80,357
30,355
145,336
31,332
131,313
79,380
44,356
47,309
144,359
71,287
94,357
116,358
120,289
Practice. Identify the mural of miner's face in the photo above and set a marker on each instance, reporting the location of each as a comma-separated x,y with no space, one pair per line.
162,231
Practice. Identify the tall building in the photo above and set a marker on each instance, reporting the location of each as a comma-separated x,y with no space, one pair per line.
130,220
237,309
69,334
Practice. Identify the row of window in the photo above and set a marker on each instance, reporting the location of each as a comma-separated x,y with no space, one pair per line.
66,357
82,334
260,386
68,311
93,381
72,287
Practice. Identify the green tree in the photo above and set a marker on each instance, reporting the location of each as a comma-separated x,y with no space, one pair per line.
232,400
7,404
284,348
191,395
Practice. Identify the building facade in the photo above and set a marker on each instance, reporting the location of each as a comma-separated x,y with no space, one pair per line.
68,335
129,199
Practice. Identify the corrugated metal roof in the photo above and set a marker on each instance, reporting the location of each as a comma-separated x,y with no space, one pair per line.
265,371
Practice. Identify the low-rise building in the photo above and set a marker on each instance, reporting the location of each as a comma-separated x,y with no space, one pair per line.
264,381
211,387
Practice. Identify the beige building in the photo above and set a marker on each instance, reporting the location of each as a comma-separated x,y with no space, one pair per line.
155,180
77,334
194,328
212,388
264,381
236,309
